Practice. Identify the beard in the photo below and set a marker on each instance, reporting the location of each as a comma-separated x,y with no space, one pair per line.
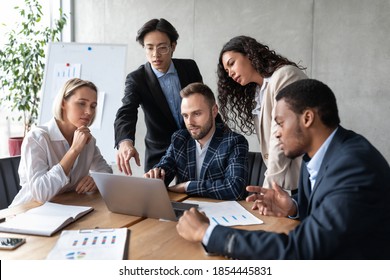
204,130
297,151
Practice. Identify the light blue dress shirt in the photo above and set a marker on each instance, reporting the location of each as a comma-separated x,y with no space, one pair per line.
313,165
170,85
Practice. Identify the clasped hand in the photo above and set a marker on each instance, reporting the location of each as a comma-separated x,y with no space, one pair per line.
193,225
81,137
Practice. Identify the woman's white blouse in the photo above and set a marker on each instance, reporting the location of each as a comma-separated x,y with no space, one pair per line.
41,175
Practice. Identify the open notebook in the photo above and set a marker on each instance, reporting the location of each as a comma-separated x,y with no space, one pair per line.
45,220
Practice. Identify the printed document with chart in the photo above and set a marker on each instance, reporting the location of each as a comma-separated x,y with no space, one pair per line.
92,244
227,213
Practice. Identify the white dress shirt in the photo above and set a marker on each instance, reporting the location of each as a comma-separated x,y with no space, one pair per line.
259,96
41,175
200,155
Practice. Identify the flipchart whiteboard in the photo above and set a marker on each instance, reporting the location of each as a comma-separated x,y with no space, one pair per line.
102,64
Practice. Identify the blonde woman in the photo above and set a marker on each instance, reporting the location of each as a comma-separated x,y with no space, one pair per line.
57,156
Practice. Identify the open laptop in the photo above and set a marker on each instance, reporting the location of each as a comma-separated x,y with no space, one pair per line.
136,196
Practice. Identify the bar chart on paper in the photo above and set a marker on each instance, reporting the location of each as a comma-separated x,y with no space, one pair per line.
108,244
227,213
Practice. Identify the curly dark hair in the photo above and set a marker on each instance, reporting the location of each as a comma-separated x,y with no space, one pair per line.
236,101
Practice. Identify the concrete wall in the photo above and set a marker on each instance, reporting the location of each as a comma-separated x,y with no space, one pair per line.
345,44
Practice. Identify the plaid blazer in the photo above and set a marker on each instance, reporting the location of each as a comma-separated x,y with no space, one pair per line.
224,172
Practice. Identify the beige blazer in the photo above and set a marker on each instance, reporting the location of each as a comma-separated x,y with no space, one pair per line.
282,170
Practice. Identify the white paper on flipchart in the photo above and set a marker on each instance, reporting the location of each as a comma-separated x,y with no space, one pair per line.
62,73
97,124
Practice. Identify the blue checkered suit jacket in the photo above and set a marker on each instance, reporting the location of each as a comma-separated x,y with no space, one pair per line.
225,168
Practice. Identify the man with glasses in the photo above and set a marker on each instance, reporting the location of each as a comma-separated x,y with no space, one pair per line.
156,87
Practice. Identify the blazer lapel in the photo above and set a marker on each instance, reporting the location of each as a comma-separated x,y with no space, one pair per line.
183,79
158,94
306,177
332,149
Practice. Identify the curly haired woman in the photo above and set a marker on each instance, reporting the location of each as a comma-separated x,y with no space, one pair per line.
250,75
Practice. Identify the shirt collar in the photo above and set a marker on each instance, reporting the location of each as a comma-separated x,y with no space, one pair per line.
205,146
313,165
263,85
265,82
259,94
54,131
171,70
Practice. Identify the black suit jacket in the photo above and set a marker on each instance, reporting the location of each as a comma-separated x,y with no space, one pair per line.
346,216
142,88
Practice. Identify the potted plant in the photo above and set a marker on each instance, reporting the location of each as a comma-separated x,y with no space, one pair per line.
22,62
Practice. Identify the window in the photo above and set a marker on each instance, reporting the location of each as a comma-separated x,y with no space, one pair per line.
8,14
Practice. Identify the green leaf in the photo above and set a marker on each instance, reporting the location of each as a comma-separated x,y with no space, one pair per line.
22,60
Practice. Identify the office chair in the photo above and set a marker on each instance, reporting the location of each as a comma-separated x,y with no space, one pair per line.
9,180
256,169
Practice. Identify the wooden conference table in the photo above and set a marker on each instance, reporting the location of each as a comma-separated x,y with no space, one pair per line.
150,239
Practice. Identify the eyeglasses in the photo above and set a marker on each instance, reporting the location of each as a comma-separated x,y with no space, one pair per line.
163,49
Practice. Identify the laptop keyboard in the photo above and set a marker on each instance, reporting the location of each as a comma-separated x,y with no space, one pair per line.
180,207
178,212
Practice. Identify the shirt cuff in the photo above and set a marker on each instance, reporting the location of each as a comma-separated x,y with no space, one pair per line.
64,178
207,234
296,205
131,141
186,186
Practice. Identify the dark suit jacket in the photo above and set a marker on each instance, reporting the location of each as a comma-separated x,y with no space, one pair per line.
142,88
224,172
347,216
